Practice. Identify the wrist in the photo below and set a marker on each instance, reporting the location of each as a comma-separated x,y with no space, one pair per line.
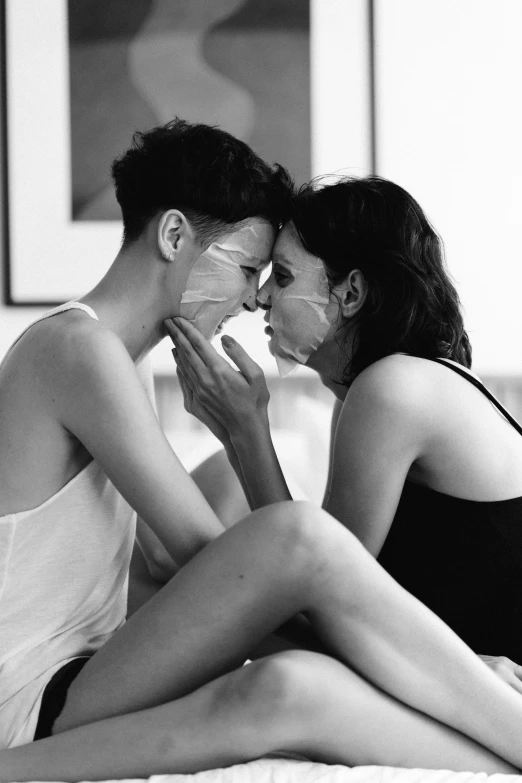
251,429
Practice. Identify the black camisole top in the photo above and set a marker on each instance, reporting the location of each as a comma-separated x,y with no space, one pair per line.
462,558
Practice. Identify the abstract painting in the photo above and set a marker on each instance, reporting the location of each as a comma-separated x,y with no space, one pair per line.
243,65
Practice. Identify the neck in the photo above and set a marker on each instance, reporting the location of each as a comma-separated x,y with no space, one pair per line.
338,389
329,362
130,300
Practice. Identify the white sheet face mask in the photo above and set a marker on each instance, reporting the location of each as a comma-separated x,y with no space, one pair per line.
302,312
217,286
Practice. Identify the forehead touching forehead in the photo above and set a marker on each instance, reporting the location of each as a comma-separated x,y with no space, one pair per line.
250,243
290,252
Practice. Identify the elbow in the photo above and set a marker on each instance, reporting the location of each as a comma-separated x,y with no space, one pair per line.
161,567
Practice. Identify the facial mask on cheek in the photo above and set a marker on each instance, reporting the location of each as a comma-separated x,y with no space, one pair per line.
215,288
216,283
301,316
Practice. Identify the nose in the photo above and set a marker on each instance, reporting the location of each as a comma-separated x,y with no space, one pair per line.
263,299
251,303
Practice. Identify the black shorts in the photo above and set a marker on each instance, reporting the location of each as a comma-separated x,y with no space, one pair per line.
54,696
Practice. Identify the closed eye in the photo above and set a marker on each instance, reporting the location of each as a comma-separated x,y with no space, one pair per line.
249,271
282,276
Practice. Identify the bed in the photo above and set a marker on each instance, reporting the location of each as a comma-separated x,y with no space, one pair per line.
269,770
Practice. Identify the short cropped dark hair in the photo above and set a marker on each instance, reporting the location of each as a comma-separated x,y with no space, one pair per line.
215,179
373,225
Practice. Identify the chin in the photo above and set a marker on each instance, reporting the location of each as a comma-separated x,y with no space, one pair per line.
221,325
209,331
219,328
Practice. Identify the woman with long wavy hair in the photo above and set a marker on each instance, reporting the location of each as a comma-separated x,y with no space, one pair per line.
426,466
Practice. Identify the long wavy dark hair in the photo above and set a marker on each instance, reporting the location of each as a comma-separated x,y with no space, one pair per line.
375,226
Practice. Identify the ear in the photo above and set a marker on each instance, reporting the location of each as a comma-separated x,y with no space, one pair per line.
352,293
173,232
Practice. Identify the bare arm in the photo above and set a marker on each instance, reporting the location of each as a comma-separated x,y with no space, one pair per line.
142,585
160,564
259,465
98,397
380,432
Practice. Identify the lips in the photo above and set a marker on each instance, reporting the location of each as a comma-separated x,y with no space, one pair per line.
222,323
269,331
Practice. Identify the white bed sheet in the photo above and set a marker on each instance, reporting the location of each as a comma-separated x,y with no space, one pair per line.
290,771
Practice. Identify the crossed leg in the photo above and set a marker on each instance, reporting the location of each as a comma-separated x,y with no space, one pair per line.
281,560
295,700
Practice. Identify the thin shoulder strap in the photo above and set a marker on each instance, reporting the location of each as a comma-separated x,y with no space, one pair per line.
72,305
475,381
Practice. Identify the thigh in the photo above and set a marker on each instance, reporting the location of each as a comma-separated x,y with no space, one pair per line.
201,624
54,696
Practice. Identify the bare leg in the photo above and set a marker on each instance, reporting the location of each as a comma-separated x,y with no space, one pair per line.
281,560
218,482
294,701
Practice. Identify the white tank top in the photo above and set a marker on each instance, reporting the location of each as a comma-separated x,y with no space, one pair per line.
63,586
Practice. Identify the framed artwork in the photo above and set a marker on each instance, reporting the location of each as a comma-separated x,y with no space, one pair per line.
80,76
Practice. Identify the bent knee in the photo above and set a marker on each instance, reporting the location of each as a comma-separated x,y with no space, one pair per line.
301,529
281,688
275,701
298,522
288,691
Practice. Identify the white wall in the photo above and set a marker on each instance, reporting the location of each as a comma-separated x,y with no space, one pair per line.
449,124
12,319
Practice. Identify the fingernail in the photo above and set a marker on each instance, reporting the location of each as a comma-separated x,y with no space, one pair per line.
227,341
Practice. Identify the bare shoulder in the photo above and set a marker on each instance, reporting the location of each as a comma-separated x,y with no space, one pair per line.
81,341
396,383
90,345
64,351
58,337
